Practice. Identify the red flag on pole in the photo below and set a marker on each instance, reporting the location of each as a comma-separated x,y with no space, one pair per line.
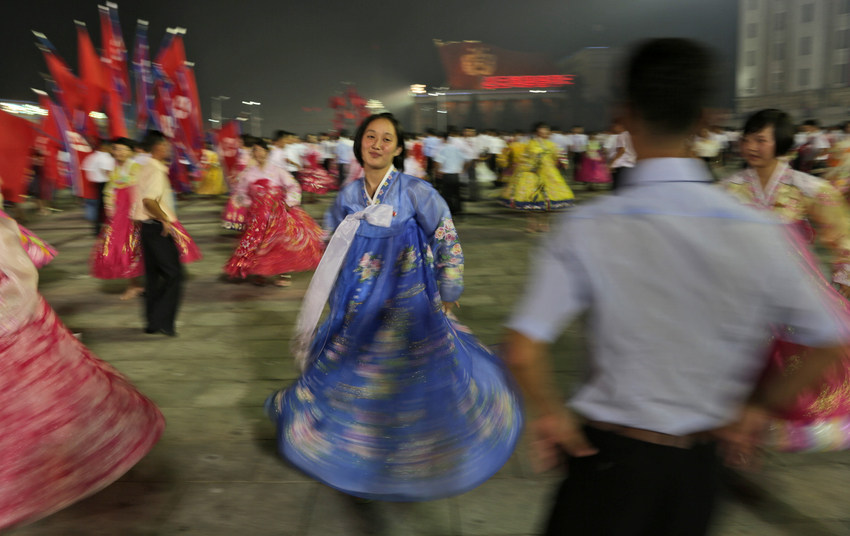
172,57
196,99
48,143
16,141
70,87
114,50
91,71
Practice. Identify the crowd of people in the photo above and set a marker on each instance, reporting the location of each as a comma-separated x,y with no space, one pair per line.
712,333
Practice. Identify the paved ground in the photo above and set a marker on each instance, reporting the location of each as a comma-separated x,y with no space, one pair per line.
215,471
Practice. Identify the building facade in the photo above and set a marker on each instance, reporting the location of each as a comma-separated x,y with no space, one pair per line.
794,55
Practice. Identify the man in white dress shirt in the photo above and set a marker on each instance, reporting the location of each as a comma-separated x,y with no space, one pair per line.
684,286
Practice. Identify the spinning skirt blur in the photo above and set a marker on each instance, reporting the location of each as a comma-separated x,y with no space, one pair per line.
400,403
277,239
39,251
71,423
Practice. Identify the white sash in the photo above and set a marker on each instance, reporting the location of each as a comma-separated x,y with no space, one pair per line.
325,276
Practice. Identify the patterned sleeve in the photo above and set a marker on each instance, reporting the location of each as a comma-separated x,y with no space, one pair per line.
831,216
18,280
433,215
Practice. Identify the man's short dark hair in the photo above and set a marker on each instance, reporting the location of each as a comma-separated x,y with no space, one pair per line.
151,139
669,82
126,142
783,128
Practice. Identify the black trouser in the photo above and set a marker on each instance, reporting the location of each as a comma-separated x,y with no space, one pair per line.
576,162
342,169
617,177
472,185
163,277
450,188
634,488
100,211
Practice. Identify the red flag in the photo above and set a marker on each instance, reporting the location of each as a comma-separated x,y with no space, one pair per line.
114,50
227,143
91,71
186,112
48,142
196,99
172,57
16,140
70,87
115,113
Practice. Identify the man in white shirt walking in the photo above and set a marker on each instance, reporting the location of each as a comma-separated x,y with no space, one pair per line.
97,167
681,316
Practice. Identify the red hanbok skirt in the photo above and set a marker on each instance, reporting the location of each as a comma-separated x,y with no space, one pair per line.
234,217
117,253
278,239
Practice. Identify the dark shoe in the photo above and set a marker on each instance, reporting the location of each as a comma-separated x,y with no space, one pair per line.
150,331
168,332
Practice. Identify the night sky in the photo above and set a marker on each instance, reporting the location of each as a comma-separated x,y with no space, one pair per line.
295,55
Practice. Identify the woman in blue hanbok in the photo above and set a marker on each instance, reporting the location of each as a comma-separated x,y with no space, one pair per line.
397,401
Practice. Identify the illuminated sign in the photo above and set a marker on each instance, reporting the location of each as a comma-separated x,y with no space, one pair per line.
506,82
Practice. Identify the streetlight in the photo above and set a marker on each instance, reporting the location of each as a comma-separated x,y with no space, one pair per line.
255,117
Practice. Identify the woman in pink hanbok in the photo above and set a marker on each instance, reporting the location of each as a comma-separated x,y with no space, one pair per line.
593,169
314,178
234,216
71,423
117,253
812,208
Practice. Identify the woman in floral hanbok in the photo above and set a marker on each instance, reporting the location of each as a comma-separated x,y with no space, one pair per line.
537,185
397,401
812,207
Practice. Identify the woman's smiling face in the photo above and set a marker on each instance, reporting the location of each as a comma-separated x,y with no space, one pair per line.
380,144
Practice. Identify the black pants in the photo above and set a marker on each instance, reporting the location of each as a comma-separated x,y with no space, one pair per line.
163,277
100,211
576,159
617,177
450,188
634,488
472,185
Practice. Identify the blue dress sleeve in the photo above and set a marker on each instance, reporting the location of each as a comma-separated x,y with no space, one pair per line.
433,216
336,213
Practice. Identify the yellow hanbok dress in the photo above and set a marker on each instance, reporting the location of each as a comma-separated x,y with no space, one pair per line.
536,183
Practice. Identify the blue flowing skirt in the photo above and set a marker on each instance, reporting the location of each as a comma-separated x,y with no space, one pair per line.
401,403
